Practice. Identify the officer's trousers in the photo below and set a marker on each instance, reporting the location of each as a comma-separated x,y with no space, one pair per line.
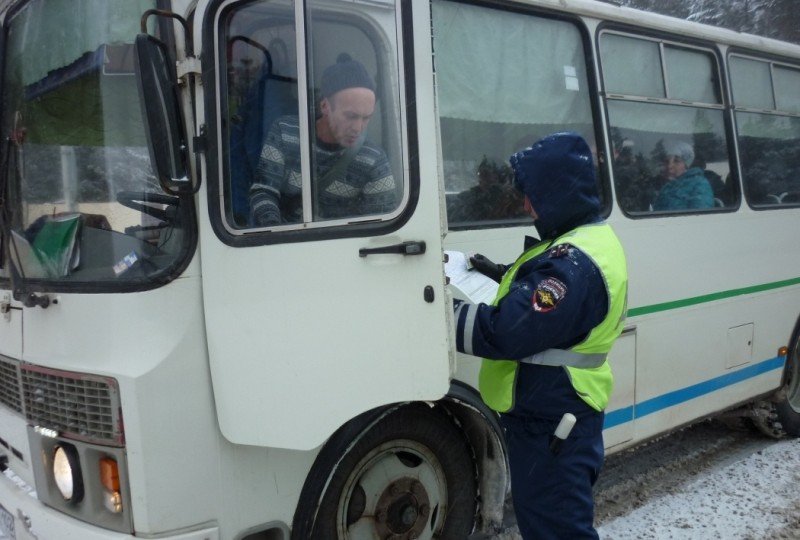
552,491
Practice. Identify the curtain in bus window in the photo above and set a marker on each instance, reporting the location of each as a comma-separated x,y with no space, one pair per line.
631,66
504,80
752,86
787,89
497,66
691,75
663,119
81,29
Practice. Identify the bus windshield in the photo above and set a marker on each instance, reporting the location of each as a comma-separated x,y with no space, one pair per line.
82,206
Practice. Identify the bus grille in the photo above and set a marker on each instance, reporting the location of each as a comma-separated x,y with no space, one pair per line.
77,405
9,385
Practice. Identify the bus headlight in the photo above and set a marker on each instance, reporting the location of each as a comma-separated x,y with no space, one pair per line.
67,473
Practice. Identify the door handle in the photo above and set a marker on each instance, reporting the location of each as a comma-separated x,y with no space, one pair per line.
412,247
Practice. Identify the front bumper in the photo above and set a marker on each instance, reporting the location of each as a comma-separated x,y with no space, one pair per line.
35,521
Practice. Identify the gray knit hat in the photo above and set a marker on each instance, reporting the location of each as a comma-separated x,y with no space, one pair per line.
345,73
680,149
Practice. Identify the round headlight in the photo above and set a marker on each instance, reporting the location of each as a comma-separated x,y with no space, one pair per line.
67,473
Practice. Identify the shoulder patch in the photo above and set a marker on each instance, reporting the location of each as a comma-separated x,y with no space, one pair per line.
549,292
561,250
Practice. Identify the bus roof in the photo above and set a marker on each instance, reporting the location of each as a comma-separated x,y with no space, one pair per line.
631,16
656,21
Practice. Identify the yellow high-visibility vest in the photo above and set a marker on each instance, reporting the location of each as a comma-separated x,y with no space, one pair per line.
586,363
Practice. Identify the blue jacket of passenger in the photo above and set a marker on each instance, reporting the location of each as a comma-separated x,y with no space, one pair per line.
563,193
689,191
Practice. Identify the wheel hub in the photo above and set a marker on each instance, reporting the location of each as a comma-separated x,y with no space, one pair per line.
403,510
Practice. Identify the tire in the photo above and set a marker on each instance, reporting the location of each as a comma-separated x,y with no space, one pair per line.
788,408
409,475
780,417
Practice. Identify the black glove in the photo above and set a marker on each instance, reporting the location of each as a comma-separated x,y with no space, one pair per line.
486,267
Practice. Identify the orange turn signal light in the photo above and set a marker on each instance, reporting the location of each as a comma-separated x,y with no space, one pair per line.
783,351
109,474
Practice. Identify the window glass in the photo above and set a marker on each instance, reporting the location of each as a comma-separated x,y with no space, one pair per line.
751,83
504,80
691,75
787,89
631,66
669,158
353,116
79,194
769,149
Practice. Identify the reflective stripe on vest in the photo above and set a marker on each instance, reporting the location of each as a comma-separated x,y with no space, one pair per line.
561,357
585,362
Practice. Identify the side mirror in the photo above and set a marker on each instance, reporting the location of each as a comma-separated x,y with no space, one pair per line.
164,127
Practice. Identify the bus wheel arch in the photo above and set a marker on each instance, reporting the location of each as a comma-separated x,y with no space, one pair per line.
482,429
394,470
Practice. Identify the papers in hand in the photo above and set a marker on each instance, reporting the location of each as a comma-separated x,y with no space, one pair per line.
467,284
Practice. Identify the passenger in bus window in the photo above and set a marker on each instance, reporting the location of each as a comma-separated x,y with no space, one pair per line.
352,176
493,198
546,338
635,191
687,187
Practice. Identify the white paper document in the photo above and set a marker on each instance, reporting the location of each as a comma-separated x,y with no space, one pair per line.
468,284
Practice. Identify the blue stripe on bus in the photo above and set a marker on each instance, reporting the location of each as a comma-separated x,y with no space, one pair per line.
653,405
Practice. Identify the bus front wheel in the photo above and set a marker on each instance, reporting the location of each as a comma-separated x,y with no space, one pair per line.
409,475
780,416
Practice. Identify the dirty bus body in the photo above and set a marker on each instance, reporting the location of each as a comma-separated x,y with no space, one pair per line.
169,368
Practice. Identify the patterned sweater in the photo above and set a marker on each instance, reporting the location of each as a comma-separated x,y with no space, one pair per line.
366,186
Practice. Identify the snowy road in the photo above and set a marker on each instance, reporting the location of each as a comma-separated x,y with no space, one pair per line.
704,482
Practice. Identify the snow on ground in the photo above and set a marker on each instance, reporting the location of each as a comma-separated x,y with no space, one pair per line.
755,498
703,482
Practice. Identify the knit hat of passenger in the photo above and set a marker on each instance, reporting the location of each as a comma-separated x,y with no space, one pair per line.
345,73
680,149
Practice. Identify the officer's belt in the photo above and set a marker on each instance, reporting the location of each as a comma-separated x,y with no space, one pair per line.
561,357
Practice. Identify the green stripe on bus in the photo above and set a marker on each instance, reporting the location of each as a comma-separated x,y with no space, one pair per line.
666,306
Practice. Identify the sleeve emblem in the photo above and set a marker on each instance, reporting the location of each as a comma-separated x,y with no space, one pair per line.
549,292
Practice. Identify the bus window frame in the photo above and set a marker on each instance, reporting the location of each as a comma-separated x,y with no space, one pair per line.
214,80
772,59
603,176
722,80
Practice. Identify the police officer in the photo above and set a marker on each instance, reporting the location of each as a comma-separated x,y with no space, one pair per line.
546,337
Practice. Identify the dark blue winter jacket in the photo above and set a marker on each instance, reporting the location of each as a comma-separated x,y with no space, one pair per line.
557,174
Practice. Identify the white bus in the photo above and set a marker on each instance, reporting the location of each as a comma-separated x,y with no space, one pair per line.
168,370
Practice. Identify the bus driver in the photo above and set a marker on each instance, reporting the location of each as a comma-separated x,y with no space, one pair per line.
353,177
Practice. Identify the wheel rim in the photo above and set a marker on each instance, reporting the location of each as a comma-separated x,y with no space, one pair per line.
398,491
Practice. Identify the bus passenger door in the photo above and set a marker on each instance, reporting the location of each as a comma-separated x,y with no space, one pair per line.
333,302
620,413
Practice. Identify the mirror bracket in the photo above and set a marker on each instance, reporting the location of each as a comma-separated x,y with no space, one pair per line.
188,66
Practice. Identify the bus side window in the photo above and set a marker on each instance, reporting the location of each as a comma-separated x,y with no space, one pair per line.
667,132
769,142
262,86
349,176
